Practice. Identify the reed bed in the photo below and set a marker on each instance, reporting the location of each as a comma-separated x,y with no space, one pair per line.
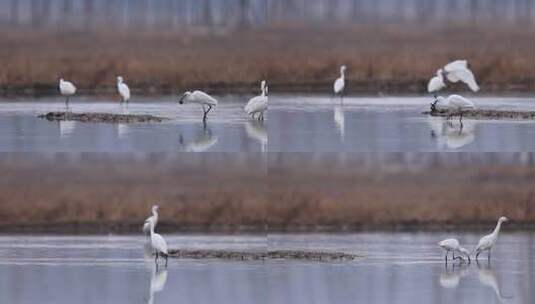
385,58
251,192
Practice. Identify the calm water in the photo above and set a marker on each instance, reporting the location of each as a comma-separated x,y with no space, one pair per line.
396,268
294,124
391,124
228,128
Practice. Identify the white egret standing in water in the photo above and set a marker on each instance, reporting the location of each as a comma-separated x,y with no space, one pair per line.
159,245
66,88
487,242
453,246
340,83
201,98
123,89
258,104
151,219
453,104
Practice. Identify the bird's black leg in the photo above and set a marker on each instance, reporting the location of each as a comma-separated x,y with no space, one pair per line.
477,255
166,256
206,112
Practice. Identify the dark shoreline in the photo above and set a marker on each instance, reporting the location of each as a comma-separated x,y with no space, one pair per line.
95,229
372,87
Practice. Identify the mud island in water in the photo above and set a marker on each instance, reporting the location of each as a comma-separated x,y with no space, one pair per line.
485,114
262,255
100,117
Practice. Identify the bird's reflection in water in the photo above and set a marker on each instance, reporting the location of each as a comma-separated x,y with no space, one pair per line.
452,134
158,279
66,128
451,276
256,130
122,130
200,143
339,120
487,277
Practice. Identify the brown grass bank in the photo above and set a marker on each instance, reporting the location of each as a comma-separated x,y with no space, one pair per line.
232,192
385,58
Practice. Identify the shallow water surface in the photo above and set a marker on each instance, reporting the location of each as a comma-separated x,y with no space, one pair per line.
394,268
228,128
391,124
294,123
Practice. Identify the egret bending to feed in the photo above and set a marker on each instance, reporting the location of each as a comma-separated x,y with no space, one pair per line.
453,246
258,104
453,72
123,89
453,104
199,97
159,245
486,242
340,83
66,88
152,219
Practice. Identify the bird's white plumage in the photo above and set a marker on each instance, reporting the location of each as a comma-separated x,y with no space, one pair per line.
199,97
151,219
66,88
454,72
458,71
339,83
258,104
450,244
487,242
454,246
436,83
454,103
123,89
158,242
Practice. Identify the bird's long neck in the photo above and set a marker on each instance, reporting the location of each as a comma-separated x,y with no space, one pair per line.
151,228
155,214
342,74
497,229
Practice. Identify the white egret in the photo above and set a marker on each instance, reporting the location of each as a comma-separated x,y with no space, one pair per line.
458,71
258,104
159,245
487,242
436,83
151,219
340,83
199,97
66,88
454,72
123,89
453,246
454,104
